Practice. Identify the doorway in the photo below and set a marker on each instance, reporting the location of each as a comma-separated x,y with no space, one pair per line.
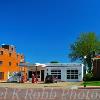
42,75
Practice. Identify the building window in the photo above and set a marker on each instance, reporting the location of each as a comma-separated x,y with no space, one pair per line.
1,62
59,76
21,57
9,54
1,52
9,63
17,55
12,48
56,74
72,74
31,72
1,75
68,76
76,76
16,64
38,74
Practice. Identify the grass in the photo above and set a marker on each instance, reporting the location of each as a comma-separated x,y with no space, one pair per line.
91,83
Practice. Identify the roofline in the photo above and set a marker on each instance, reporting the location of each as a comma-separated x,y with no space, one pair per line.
96,58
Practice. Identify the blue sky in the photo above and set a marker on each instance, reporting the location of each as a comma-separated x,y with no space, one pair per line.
44,29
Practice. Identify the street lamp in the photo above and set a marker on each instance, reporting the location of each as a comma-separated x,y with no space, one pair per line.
85,57
85,69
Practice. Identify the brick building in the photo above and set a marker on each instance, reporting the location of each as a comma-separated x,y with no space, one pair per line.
96,67
9,61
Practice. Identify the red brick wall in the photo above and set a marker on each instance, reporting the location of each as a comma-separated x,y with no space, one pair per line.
96,68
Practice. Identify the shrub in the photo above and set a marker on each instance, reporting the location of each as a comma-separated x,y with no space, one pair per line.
88,77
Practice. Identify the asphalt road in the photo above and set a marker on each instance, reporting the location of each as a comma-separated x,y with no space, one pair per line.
49,94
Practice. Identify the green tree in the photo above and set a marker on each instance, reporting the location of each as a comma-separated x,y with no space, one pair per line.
86,45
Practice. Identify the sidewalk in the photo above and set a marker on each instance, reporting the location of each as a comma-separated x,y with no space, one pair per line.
41,85
89,87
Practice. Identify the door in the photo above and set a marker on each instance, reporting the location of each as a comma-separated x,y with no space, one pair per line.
1,75
42,75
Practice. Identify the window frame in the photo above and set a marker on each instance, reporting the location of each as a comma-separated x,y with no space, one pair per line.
72,74
1,52
56,73
10,63
1,62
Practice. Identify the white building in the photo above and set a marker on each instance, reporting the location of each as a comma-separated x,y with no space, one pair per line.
63,71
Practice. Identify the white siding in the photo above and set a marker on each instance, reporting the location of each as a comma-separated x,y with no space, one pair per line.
63,67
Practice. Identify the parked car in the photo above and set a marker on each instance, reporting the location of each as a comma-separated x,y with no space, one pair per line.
50,79
15,77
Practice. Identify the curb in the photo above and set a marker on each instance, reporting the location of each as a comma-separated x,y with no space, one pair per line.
89,87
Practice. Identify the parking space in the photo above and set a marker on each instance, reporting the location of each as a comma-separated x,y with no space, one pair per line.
40,85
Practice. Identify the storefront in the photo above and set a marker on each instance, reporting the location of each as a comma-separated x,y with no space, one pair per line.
38,70
62,71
